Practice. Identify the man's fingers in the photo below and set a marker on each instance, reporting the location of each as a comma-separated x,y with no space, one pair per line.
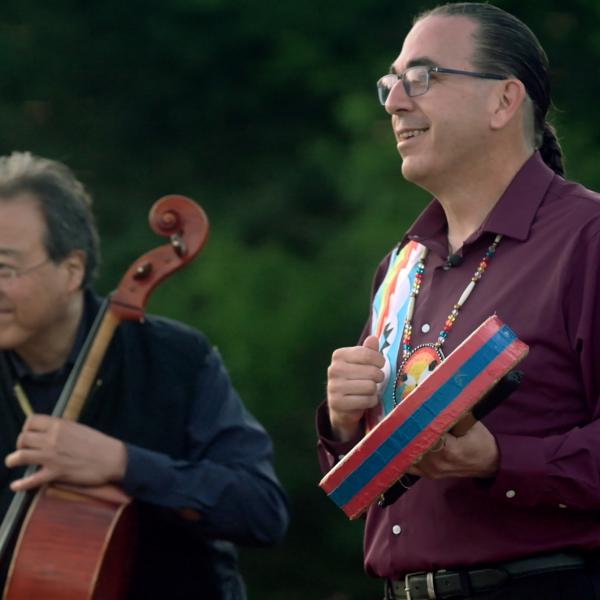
30,439
21,458
359,402
352,385
354,372
37,422
32,481
365,372
359,387
414,470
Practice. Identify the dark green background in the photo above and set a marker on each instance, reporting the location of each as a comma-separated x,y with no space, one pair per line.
265,113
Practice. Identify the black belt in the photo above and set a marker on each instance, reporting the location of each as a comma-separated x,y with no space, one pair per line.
461,584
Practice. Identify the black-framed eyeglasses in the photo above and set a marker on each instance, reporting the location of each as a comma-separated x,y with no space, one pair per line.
416,80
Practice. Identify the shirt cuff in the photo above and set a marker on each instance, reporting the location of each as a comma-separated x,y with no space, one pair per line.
522,475
148,474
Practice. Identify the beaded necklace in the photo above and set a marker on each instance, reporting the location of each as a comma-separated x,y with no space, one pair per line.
418,362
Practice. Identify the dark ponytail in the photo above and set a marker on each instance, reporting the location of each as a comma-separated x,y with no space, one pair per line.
505,45
551,151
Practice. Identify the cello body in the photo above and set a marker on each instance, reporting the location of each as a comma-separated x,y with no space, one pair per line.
75,543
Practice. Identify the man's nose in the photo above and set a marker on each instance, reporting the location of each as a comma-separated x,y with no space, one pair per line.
398,99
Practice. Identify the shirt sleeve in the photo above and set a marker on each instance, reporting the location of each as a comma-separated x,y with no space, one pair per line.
228,480
563,470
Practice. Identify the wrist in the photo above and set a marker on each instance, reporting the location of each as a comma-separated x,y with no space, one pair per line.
344,427
490,466
118,461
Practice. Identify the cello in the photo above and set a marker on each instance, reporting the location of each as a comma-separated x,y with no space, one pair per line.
77,542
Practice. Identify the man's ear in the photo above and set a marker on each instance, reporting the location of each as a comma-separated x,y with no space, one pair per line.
506,102
75,265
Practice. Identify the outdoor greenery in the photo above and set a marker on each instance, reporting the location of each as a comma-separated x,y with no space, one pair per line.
265,113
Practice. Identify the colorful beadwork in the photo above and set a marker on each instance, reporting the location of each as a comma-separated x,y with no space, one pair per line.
407,350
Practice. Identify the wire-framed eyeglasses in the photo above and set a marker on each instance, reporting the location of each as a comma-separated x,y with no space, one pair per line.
8,273
415,80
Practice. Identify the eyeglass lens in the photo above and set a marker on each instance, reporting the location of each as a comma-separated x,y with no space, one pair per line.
415,81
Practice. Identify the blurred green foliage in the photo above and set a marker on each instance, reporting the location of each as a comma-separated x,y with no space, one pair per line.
265,113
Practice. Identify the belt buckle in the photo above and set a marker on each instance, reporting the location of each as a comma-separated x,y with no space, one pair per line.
428,581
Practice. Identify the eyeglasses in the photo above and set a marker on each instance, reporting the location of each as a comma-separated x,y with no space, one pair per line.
9,273
416,80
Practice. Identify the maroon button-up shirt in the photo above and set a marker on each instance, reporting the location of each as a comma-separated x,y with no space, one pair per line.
544,282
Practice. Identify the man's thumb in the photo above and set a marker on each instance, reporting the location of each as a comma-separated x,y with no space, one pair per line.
371,342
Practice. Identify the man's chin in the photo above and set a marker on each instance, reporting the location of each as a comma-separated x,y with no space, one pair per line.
413,170
10,339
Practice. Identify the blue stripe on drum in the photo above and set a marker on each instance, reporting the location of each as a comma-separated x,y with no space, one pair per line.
422,417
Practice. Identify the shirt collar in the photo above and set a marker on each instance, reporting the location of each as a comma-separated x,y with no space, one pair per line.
512,216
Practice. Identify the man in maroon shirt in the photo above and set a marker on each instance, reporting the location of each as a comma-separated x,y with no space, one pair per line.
512,509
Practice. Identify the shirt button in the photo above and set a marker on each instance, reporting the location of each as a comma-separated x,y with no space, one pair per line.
396,530
425,328
511,493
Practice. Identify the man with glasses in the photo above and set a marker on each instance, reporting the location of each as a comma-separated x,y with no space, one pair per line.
509,510
163,420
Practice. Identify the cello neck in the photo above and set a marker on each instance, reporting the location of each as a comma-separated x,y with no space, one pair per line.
82,376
